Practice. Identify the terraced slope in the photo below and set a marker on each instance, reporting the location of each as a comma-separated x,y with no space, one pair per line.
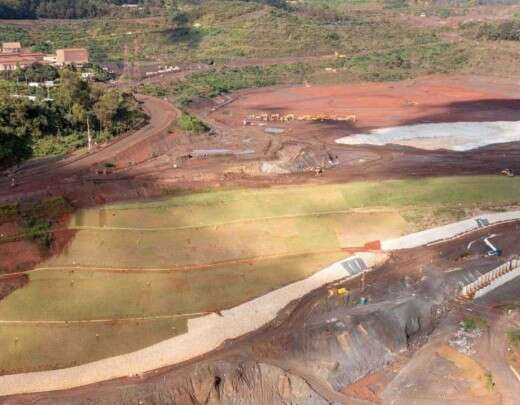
135,272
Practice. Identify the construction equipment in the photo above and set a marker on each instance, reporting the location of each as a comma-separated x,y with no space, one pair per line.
291,117
507,172
342,292
494,251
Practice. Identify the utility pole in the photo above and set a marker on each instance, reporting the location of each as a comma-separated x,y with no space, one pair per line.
89,136
126,70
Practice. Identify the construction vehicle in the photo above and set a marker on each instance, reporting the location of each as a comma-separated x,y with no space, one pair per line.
507,172
291,117
494,251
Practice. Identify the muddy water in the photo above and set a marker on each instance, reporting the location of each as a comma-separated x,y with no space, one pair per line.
457,136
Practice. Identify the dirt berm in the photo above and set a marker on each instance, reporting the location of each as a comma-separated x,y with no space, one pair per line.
322,346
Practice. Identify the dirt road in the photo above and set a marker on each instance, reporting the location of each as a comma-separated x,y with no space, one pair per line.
49,172
151,160
320,340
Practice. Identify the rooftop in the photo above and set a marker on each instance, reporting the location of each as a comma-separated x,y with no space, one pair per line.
11,45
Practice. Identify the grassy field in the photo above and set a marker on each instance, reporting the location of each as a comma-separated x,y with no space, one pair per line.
96,294
60,294
441,194
186,243
194,253
41,347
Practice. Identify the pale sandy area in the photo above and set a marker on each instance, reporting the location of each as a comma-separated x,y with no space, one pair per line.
456,136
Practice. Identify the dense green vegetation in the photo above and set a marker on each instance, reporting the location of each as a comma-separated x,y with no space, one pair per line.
470,324
39,230
222,30
188,123
42,125
17,9
51,208
35,73
216,82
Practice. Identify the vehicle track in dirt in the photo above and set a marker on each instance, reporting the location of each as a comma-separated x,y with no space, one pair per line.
161,116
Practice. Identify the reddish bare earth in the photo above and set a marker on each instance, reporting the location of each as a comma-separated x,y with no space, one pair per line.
153,158
11,283
429,99
329,349
19,253
279,363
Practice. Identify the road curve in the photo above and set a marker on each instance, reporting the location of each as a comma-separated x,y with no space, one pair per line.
162,115
206,333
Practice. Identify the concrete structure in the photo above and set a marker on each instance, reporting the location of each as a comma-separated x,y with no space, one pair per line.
208,332
50,59
492,279
15,61
71,56
205,333
449,231
11,47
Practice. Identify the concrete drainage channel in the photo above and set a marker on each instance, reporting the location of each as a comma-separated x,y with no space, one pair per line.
210,331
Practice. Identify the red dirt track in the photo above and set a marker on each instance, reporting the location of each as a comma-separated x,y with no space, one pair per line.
132,147
152,159
430,99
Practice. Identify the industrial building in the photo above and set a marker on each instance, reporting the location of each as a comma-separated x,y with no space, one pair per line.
13,57
11,47
71,56
13,61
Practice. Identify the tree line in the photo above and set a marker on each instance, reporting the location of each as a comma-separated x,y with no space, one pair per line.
18,9
71,9
75,108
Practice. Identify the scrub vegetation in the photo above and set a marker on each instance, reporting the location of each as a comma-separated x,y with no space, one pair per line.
58,121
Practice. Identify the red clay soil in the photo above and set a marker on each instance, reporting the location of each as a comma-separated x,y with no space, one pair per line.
9,284
23,254
159,158
16,254
368,388
19,255
429,99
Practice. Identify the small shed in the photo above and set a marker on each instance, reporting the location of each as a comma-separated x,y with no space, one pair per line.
11,47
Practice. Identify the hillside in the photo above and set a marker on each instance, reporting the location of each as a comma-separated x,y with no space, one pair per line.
373,34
